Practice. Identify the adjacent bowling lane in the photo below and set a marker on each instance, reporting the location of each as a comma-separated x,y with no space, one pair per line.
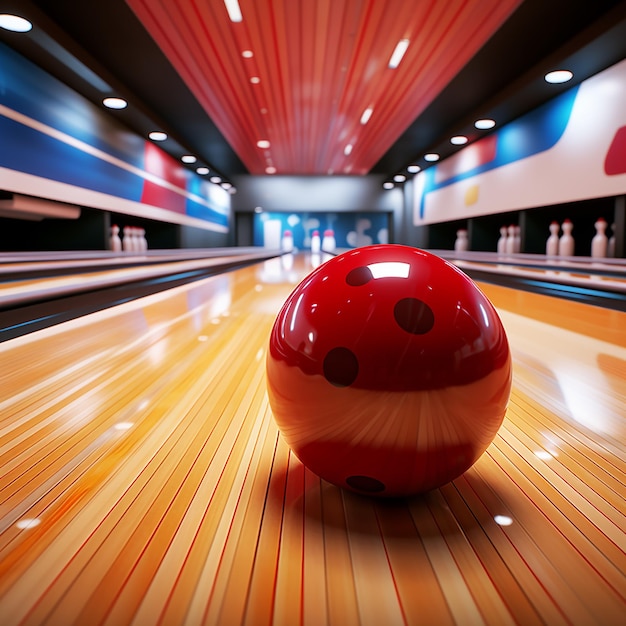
143,480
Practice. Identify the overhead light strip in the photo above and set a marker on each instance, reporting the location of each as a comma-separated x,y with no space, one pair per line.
234,12
398,53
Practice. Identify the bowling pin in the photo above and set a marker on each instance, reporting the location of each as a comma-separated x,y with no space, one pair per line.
502,240
510,239
600,242
316,243
138,242
566,242
611,247
287,243
115,243
127,242
461,244
517,239
328,242
552,244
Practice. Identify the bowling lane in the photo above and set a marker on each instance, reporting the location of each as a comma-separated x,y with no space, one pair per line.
143,481
37,291
30,277
581,279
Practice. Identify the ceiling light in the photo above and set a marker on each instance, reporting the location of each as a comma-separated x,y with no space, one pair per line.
255,80
558,76
458,140
157,135
15,23
399,178
365,118
484,124
247,54
388,184
413,169
202,170
431,157
115,103
188,158
398,53
234,12
270,170
263,143
348,149
215,179
226,185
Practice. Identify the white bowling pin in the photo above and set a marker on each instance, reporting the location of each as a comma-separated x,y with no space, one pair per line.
328,242
502,241
316,242
611,247
115,243
566,242
552,245
287,243
517,239
127,242
600,242
510,239
138,242
461,244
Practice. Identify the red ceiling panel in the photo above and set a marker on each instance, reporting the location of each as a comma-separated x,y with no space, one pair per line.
319,65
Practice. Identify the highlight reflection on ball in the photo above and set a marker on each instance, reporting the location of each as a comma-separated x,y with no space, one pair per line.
388,371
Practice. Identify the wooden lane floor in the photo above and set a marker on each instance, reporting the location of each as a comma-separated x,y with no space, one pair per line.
143,480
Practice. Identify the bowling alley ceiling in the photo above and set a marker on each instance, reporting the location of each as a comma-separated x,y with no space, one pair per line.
304,86
300,75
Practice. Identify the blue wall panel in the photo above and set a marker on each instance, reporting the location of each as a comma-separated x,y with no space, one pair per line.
50,132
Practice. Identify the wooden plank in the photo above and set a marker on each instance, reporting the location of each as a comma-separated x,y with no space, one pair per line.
141,441
287,597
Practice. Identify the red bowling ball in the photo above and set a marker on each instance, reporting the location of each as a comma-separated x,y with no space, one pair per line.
388,371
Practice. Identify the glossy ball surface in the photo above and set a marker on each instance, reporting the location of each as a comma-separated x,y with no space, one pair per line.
388,371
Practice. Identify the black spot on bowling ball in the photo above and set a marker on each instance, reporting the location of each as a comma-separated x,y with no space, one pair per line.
341,367
414,316
366,484
359,276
